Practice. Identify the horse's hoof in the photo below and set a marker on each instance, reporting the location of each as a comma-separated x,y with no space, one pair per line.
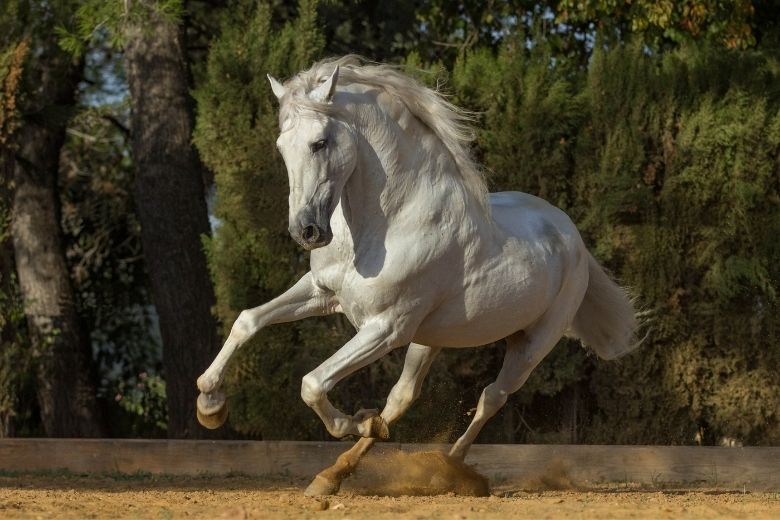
372,424
212,422
212,410
322,486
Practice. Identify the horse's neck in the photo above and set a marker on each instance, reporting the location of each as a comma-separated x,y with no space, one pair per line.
402,168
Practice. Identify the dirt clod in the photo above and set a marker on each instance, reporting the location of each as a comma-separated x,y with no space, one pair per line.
398,473
554,478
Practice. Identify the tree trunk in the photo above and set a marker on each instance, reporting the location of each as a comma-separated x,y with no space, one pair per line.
171,204
65,387
8,329
8,93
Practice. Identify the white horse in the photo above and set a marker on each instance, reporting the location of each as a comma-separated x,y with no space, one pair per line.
406,242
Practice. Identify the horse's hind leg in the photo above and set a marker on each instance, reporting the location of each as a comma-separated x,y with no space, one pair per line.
416,365
524,350
417,362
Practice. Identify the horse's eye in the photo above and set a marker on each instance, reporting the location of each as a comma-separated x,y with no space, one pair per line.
316,146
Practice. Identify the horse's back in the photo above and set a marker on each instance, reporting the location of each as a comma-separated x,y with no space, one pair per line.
528,217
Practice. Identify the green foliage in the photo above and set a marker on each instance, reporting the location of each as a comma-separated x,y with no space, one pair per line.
727,22
697,234
93,20
103,249
385,31
529,109
144,397
445,30
11,66
20,19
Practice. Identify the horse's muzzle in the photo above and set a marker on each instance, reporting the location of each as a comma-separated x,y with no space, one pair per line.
311,236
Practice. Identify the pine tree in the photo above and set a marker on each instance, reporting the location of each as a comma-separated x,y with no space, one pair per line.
685,205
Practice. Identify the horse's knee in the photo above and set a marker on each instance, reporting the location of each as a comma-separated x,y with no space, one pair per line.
242,327
311,390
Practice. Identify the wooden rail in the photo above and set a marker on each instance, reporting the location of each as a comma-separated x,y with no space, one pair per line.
733,468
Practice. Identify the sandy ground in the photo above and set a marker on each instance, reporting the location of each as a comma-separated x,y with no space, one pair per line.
155,497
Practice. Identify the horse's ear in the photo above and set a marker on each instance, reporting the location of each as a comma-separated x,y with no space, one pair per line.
278,88
324,92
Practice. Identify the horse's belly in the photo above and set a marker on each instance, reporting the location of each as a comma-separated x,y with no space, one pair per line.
488,312
462,334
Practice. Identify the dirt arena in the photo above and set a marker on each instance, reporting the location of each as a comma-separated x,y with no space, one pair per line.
389,488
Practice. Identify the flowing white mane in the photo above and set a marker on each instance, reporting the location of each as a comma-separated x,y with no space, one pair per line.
450,123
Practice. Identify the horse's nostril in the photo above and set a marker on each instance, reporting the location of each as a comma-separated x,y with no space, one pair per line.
310,233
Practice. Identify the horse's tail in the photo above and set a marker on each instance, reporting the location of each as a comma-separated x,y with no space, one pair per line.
606,320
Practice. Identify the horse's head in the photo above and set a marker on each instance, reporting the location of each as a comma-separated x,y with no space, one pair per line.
320,153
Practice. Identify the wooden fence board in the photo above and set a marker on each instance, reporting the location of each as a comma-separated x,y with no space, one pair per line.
713,466
753,468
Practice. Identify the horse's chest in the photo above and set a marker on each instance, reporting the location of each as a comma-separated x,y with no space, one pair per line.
360,302
360,298
369,287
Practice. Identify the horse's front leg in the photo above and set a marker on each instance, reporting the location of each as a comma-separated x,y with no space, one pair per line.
375,339
300,301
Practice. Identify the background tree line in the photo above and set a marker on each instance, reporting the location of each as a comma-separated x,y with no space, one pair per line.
142,207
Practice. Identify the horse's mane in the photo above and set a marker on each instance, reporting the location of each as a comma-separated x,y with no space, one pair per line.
452,125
